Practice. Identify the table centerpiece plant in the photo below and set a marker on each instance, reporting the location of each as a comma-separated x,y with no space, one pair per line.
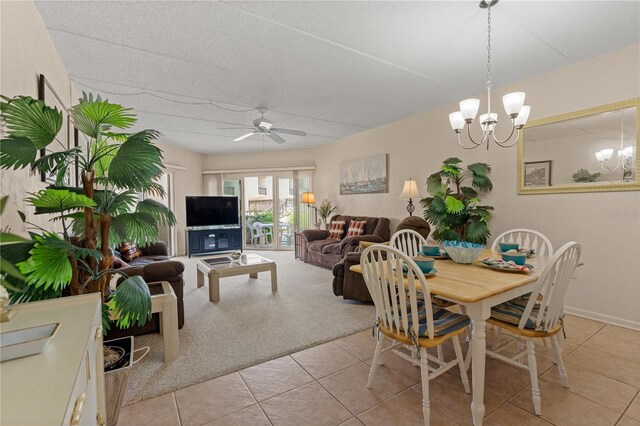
453,208
104,210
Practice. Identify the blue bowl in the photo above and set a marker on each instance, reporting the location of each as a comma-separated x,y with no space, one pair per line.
517,258
430,250
424,263
508,246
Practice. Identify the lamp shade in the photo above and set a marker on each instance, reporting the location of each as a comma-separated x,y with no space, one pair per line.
456,120
513,102
308,198
410,190
469,108
523,116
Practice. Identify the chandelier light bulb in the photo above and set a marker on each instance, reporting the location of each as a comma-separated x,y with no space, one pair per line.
469,109
457,121
599,156
607,154
627,152
513,103
487,121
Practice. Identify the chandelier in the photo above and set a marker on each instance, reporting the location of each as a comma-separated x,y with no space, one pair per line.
513,104
624,159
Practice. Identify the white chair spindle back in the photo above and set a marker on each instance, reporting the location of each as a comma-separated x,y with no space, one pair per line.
552,286
526,238
396,301
408,241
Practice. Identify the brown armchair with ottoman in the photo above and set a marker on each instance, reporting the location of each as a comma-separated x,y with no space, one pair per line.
350,285
153,265
320,250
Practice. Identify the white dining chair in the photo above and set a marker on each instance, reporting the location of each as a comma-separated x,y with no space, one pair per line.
408,241
268,232
257,235
406,320
539,317
525,238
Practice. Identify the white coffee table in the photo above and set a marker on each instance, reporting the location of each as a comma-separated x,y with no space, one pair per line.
222,266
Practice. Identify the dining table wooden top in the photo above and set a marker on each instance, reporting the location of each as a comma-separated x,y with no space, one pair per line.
473,282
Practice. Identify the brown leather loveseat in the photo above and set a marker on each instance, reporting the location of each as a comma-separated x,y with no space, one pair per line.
320,251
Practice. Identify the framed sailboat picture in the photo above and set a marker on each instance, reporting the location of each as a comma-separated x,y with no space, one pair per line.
364,175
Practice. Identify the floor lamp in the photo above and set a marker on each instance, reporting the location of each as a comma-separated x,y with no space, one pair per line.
409,192
309,198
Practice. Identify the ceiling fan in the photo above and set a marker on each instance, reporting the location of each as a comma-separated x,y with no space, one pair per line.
263,126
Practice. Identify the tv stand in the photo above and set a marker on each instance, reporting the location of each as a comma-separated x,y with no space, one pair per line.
214,239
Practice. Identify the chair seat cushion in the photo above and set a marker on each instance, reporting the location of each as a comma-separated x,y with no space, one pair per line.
512,310
444,321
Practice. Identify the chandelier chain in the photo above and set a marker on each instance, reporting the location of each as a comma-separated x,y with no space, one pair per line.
489,45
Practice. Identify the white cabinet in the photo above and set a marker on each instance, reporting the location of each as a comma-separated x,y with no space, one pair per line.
64,385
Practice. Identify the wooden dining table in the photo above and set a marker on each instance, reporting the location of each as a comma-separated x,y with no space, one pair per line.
479,288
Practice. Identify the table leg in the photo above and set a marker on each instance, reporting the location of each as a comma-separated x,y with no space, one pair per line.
169,327
253,275
200,278
214,288
274,279
478,351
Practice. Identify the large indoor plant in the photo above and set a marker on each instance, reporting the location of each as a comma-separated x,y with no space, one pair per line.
324,211
115,168
453,208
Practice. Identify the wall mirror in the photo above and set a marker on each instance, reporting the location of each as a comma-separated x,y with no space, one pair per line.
583,151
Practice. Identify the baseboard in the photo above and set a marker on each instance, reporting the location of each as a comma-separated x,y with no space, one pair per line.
602,317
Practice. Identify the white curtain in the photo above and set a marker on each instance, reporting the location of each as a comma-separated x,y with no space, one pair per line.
303,214
212,183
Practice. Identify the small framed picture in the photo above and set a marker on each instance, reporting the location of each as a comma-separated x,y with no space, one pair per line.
537,173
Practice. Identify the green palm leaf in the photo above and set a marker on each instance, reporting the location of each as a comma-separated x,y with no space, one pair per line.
103,153
161,214
17,152
48,265
453,204
32,119
434,184
58,200
55,161
137,162
95,116
114,203
138,227
130,303
480,176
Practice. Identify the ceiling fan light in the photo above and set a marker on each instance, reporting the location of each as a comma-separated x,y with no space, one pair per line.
469,109
513,103
456,120
265,124
522,117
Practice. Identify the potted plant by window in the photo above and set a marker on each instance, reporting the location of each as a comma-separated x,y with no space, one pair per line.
453,209
324,211
74,256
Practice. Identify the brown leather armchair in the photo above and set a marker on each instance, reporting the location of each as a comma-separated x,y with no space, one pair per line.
154,265
348,284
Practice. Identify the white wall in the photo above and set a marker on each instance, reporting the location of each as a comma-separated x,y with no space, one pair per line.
26,50
607,224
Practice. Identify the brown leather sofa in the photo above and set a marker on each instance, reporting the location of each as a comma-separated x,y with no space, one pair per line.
323,252
154,265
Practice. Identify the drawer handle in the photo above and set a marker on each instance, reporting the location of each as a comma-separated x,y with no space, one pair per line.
99,333
77,410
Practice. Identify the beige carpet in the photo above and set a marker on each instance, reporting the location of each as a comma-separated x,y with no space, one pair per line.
248,326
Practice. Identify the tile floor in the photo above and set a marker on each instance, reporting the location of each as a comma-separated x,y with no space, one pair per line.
326,385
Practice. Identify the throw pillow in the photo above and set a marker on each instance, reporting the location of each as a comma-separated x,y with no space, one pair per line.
356,227
336,229
129,251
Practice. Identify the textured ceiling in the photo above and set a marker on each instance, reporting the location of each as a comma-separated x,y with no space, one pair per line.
329,68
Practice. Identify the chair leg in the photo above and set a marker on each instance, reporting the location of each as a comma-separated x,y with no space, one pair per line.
461,364
374,364
441,354
533,373
557,352
424,375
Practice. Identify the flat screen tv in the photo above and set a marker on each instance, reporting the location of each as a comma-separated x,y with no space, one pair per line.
210,211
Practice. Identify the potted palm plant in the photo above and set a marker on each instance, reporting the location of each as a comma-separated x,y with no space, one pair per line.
324,211
453,209
115,167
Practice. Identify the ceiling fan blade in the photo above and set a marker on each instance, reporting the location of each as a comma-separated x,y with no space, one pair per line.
276,137
245,136
235,128
290,132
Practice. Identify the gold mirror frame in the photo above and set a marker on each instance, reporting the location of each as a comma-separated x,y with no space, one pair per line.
605,187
